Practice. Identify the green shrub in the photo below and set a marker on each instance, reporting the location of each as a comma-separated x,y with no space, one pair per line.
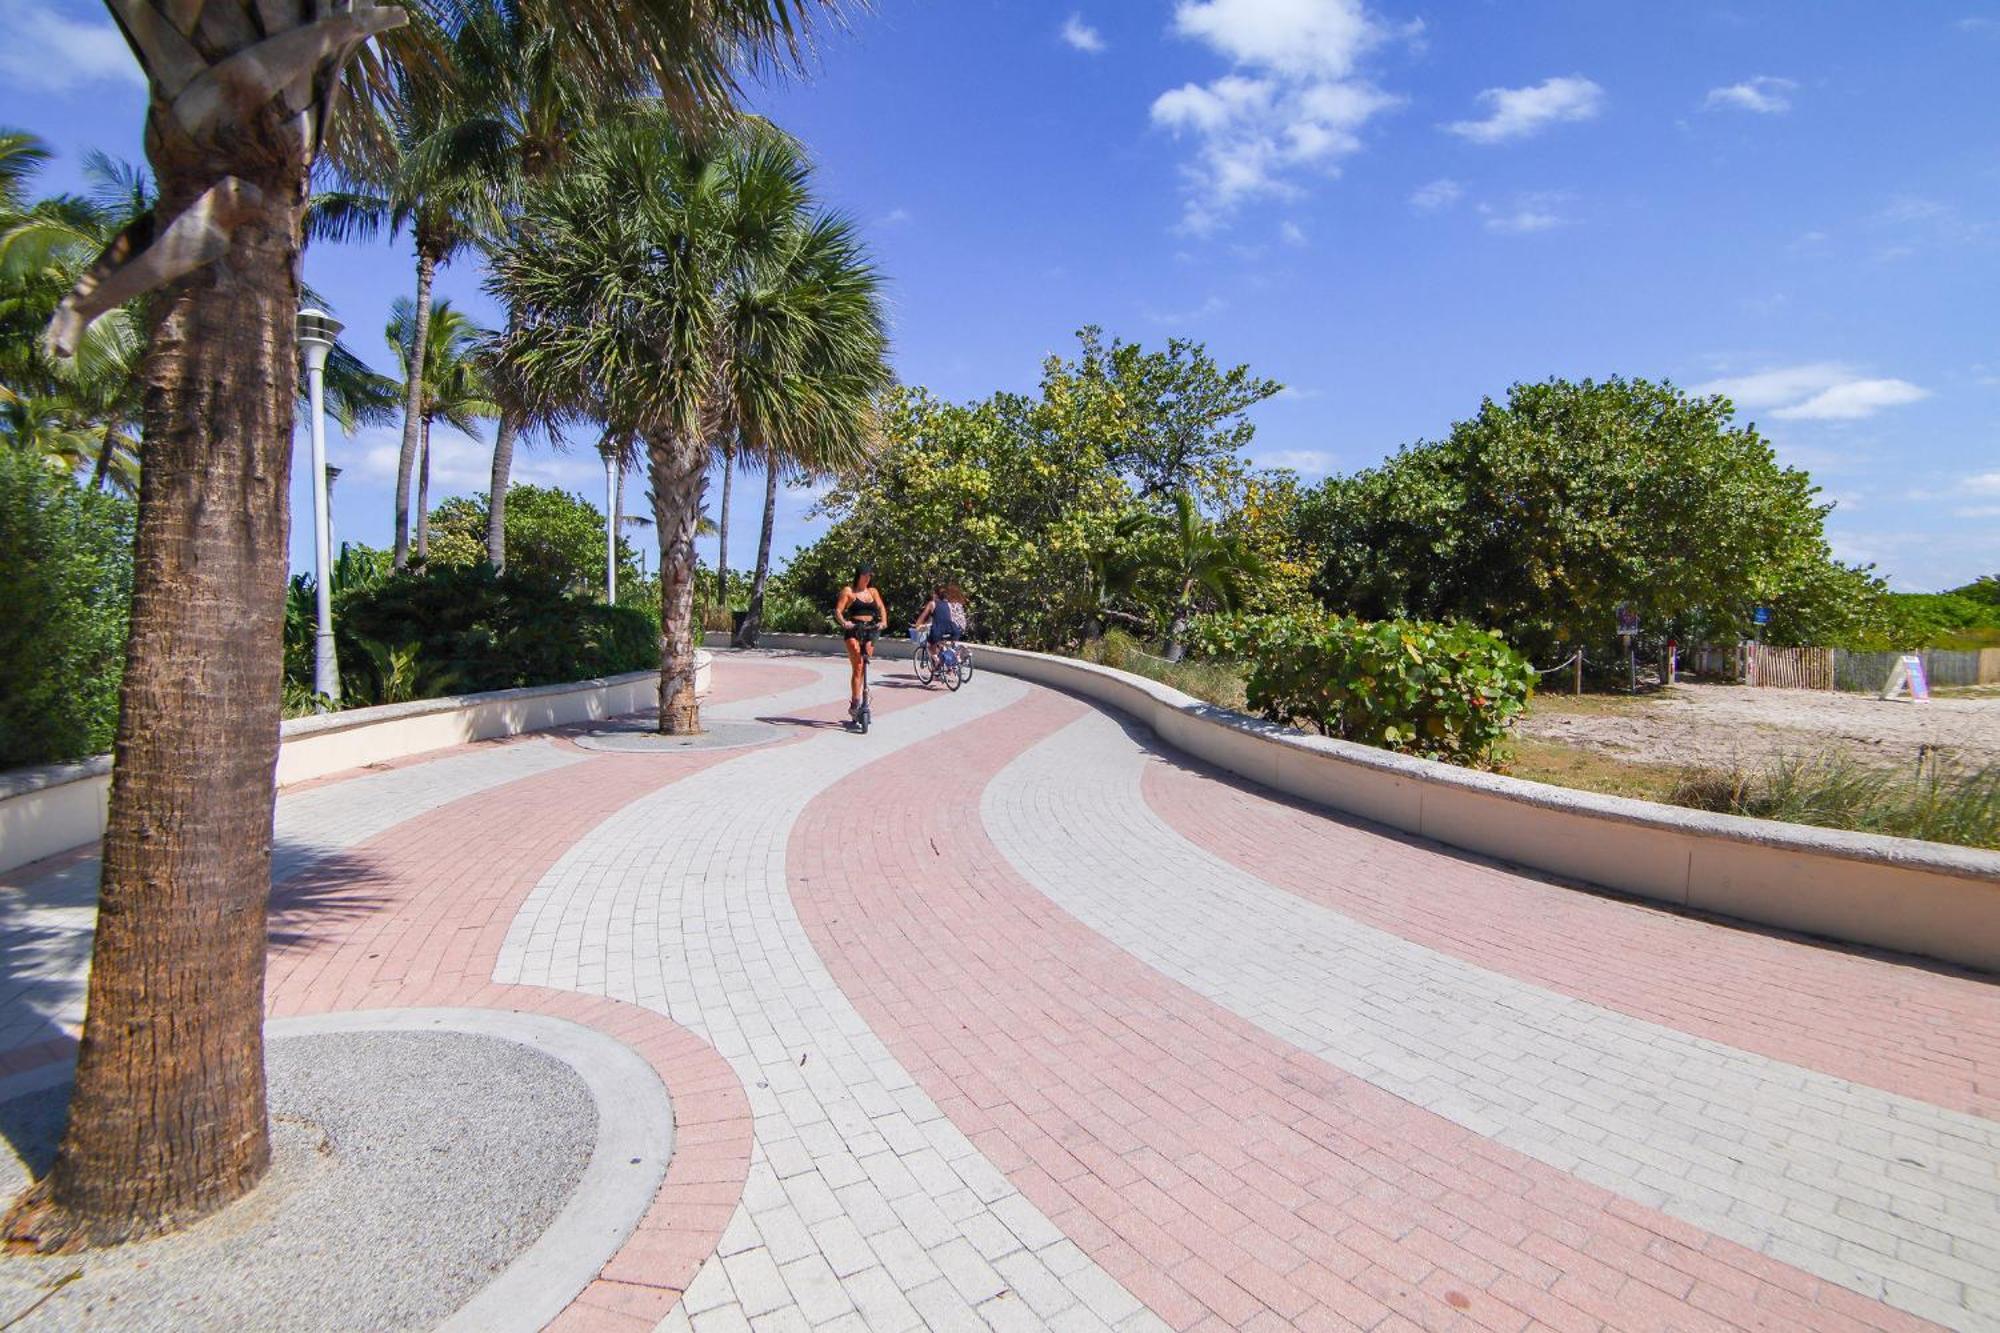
1941,802
1447,691
787,612
469,629
65,599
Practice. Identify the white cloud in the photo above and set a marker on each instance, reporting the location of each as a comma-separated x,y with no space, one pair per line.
1306,462
1529,213
1817,391
1291,233
1438,195
896,217
1516,113
1984,483
1295,101
49,51
1977,511
1213,305
1766,95
1853,400
1081,35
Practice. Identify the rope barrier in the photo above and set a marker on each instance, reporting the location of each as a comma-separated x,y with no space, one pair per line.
1563,665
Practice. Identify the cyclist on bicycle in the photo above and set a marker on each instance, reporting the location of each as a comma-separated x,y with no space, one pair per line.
944,616
862,613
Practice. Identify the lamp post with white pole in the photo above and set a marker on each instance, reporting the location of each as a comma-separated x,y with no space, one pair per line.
317,330
611,471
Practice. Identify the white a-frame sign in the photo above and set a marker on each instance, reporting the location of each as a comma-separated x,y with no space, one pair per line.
1907,678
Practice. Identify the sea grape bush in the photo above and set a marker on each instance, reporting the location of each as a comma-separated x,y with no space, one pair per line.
1439,691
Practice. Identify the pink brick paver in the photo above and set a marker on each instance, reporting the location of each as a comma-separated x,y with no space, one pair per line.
1931,1035
1226,1176
1219,1173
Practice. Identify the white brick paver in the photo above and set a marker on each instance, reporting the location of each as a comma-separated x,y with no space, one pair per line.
46,922
1889,1196
862,1198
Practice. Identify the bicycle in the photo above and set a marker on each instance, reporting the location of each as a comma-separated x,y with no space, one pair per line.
953,661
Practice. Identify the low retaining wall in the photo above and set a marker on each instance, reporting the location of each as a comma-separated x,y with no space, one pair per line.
52,809
1889,893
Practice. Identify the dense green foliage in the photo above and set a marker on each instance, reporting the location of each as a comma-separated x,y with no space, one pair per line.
1445,692
1967,617
65,586
1061,512
473,629
552,535
1540,516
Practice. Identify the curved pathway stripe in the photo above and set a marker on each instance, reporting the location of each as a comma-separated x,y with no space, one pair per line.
1217,1170
863,1201
1925,1034
1883,1194
999,1018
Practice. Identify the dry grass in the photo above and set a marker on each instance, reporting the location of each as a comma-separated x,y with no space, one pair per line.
1589,770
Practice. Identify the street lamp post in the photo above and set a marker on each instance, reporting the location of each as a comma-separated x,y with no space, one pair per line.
611,471
317,330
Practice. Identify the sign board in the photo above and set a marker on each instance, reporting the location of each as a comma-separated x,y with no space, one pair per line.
1628,619
1761,616
1907,677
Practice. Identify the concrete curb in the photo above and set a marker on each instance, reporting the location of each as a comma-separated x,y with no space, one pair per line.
55,807
1880,892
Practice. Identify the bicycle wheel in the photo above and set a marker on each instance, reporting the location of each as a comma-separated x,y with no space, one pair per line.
953,678
964,665
921,659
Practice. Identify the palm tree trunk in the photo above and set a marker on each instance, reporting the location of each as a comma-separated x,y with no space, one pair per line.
496,494
1178,626
423,539
753,620
104,451
610,522
678,473
413,402
722,533
168,1118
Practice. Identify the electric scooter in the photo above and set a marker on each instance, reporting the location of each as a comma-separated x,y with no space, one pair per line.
862,717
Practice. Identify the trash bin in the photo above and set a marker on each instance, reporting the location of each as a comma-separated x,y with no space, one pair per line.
736,619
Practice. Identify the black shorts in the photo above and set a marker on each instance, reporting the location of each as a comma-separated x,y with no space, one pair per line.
863,634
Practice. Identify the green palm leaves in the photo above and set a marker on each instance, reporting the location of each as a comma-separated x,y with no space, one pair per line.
684,289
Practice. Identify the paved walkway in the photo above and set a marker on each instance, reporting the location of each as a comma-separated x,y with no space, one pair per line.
1004,1016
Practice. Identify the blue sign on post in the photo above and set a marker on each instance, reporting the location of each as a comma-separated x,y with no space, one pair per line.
1761,616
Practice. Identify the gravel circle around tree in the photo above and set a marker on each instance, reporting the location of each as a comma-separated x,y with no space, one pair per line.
409,1168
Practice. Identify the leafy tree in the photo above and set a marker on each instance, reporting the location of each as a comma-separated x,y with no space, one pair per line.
1172,421
552,535
65,586
1541,516
168,1118
995,495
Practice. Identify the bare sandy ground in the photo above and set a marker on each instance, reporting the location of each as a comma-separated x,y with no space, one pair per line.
1725,726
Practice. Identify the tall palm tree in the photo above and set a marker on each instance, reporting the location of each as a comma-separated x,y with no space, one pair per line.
661,282
453,367
445,176
811,410
168,1117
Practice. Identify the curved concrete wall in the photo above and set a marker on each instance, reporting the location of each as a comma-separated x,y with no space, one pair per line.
1890,893
52,809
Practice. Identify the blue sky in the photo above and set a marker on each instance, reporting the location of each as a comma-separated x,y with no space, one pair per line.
1394,209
